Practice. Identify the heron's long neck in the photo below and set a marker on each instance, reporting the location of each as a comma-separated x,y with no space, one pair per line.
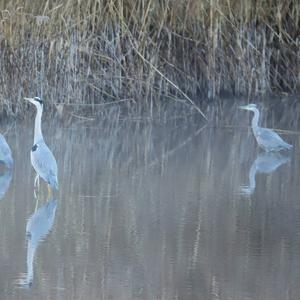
38,136
255,119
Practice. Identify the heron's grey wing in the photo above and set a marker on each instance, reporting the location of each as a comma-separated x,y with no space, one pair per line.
269,138
44,162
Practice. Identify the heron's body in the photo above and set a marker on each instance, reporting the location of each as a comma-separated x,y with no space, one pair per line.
42,159
44,163
269,140
266,138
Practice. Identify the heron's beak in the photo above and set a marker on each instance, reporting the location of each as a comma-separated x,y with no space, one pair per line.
243,107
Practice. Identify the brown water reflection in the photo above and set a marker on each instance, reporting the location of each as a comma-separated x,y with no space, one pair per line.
153,211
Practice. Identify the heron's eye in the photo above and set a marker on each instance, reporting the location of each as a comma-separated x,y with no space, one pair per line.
38,99
34,147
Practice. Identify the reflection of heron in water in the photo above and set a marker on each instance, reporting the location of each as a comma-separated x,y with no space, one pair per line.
264,163
38,226
266,138
42,159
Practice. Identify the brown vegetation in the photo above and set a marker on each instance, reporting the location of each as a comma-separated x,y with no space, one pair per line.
95,51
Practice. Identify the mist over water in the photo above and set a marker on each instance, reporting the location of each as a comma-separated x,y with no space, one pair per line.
153,210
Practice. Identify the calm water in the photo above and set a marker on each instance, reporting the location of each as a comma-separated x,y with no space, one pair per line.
152,211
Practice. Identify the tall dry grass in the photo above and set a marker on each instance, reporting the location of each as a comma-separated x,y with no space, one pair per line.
88,53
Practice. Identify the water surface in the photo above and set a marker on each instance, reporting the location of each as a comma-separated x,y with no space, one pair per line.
152,210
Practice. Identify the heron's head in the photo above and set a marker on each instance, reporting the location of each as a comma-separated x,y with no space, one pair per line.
250,106
37,101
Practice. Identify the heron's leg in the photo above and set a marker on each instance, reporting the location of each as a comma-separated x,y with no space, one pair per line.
36,186
37,181
36,204
49,192
36,196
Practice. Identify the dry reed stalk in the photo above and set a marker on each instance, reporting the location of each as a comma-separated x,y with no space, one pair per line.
97,51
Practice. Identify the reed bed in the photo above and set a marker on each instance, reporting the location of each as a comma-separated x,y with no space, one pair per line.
84,54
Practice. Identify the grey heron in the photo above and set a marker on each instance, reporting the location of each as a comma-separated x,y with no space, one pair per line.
266,138
42,159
